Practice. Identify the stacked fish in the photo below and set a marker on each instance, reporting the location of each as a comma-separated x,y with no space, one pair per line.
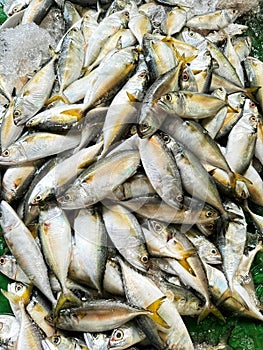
131,172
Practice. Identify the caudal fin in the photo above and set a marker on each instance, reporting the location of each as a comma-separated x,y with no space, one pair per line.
153,308
66,297
210,309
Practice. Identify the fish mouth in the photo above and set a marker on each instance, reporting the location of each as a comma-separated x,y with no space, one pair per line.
144,130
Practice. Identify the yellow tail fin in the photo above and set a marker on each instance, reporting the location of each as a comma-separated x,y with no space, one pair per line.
67,297
211,309
153,308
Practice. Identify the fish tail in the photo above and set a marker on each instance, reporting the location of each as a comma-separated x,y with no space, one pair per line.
210,309
229,294
153,308
65,297
250,92
234,177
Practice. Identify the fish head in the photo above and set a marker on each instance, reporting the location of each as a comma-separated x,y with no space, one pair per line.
57,341
11,155
8,219
39,194
7,263
23,109
73,198
120,337
97,341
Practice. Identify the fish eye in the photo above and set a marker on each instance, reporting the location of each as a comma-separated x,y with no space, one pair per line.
210,227
145,259
213,251
252,104
6,153
180,198
166,138
126,14
191,33
118,334
144,127
157,227
143,74
185,76
2,260
253,118
56,339
209,213
74,29
18,287
38,198
17,113
67,197
168,97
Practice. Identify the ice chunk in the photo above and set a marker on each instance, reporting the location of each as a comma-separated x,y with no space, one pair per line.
23,49
56,31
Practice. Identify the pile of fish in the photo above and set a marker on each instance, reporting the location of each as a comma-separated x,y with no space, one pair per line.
131,177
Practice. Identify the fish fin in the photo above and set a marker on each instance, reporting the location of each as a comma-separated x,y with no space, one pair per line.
87,163
210,310
250,92
75,112
59,97
153,308
65,297
186,265
234,177
131,97
229,294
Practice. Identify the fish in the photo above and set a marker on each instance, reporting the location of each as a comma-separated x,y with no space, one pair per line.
91,187
115,200
34,146
191,105
112,314
213,20
91,244
34,94
55,233
125,231
11,223
165,180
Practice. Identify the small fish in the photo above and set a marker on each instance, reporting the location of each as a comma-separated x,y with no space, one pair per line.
34,94
31,260
191,105
214,20
124,231
94,184
112,314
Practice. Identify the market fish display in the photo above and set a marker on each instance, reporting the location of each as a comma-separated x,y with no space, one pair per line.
130,161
